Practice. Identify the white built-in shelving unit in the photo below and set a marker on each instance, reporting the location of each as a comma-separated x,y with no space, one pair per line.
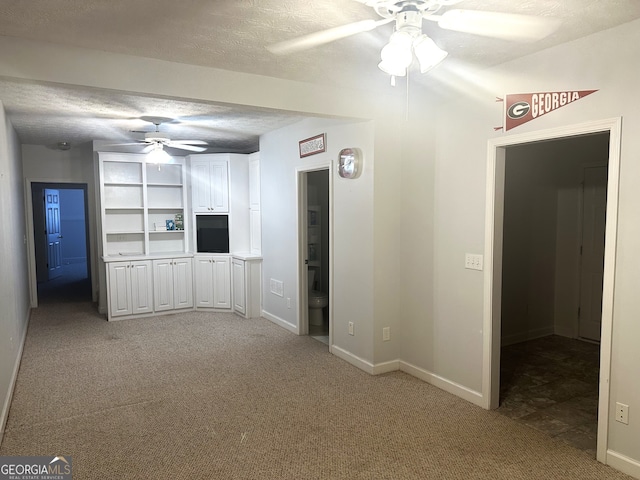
137,198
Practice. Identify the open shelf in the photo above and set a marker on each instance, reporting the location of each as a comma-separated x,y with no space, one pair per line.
134,197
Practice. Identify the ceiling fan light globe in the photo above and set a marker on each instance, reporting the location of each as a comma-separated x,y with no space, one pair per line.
428,53
158,155
392,69
396,55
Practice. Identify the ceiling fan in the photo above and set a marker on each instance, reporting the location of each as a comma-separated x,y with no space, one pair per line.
407,38
157,140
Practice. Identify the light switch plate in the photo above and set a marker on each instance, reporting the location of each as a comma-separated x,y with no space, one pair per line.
473,261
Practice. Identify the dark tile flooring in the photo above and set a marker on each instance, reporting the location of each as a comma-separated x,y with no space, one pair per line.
551,384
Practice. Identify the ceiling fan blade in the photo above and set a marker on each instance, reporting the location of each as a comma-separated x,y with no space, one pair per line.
181,146
508,26
189,142
325,36
148,148
124,144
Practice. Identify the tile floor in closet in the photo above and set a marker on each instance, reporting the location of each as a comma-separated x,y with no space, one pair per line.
551,384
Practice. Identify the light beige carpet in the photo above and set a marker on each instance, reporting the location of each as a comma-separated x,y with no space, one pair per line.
215,396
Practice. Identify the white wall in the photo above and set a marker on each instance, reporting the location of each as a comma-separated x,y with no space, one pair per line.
453,336
14,288
42,164
352,269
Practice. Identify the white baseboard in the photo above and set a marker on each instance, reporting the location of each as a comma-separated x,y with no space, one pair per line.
527,335
431,378
391,366
623,463
362,364
352,359
442,383
386,367
280,322
14,376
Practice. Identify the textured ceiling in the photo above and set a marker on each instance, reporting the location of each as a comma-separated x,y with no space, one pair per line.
47,114
232,35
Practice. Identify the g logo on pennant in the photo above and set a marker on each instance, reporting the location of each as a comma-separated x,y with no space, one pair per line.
518,110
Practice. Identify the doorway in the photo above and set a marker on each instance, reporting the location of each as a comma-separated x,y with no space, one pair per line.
314,211
61,241
552,267
495,214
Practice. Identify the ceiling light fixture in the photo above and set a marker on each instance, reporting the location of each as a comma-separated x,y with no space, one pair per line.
158,155
64,146
406,41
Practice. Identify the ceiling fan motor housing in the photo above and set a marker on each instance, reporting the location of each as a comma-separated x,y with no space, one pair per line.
156,137
394,8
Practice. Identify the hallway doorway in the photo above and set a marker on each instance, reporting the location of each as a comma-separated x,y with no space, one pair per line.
61,241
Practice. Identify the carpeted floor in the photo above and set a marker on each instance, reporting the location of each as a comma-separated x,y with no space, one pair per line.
215,396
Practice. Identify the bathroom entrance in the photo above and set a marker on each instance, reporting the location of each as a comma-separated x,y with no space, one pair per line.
314,236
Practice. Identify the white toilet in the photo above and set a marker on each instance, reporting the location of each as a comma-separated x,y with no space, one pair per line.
317,301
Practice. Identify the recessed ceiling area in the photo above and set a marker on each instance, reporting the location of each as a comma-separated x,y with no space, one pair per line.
233,35
46,114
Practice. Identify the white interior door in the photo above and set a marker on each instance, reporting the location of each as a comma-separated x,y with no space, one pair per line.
54,234
592,260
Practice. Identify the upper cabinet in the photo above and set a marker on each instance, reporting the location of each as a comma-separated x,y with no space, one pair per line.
143,205
255,217
209,184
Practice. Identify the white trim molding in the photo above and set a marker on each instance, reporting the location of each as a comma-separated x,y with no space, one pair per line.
493,260
443,383
14,376
354,360
623,463
279,321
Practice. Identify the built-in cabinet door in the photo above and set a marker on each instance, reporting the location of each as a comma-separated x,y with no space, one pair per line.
200,186
239,296
210,186
219,186
119,289
255,225
213,282
222,283
204,282
254,183
255,231
163,284
172,284
141,287
182,283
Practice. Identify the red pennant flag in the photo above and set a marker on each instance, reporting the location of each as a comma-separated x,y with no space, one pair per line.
523,107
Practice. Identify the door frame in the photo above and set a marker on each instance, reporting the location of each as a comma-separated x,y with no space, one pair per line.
496,155
30,237
302,280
